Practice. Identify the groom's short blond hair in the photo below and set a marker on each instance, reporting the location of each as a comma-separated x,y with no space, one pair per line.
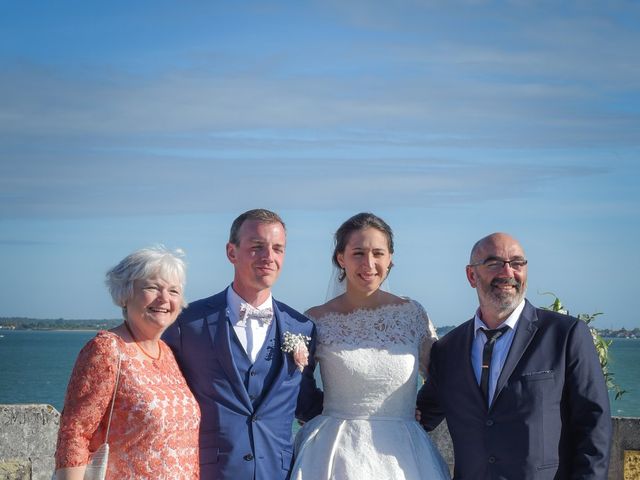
261,215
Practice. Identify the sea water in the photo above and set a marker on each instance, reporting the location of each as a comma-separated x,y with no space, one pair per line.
35,367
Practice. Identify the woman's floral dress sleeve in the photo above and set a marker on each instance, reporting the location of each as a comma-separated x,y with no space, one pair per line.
88,396
427,339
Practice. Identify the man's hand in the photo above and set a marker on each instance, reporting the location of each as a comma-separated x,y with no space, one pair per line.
418,415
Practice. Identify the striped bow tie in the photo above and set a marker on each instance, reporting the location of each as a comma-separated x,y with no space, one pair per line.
248,312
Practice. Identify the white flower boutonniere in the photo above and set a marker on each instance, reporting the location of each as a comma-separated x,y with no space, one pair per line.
296,344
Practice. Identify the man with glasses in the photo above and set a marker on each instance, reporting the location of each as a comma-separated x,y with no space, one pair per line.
521,388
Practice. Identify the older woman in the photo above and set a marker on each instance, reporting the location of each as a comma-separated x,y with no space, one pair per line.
153,432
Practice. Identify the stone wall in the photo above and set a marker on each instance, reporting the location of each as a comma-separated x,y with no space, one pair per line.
625,451
28,439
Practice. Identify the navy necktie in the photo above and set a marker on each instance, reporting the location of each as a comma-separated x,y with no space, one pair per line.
487,351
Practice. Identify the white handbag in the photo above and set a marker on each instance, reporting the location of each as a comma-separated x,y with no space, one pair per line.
97,466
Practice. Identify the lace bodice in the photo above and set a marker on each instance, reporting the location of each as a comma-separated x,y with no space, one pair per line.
369,359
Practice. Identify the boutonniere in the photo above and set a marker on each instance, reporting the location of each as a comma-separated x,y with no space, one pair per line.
296,344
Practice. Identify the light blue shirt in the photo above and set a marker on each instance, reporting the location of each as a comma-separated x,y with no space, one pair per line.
500,349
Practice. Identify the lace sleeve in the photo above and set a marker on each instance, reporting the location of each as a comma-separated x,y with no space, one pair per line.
427,339
88,395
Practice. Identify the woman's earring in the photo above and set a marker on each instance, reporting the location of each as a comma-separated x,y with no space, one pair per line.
343,274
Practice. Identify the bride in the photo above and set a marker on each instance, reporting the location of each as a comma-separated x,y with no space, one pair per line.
371,345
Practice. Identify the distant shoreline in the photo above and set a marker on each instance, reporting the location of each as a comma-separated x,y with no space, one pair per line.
611,336
61,324
66,329
58,324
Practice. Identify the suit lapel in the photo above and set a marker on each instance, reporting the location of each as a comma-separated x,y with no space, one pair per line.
219,328
282,325
470,376
525,330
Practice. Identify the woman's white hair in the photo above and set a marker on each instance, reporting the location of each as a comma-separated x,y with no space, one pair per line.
144,264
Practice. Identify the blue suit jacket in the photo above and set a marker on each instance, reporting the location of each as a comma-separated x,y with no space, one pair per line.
237,439
550,415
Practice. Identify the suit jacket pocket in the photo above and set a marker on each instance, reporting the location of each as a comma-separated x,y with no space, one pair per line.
524,396
538,376
209,455
210,451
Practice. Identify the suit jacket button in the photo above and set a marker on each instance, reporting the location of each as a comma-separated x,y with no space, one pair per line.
253,373
489,423
492,459
254,418
248,457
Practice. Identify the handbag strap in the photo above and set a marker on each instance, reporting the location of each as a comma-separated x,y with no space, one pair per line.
113,400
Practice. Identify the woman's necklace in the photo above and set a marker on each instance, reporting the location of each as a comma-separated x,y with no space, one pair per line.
140,346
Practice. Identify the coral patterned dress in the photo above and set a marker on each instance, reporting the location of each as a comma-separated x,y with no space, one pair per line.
154,429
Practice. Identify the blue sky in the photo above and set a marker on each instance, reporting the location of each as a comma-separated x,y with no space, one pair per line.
128,124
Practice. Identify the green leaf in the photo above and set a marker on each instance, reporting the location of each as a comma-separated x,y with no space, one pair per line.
602,345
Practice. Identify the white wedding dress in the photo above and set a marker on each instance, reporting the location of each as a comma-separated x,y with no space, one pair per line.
369,361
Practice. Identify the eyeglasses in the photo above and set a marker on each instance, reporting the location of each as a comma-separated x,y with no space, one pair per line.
496,264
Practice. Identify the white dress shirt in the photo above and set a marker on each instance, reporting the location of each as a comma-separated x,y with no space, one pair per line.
500,349
251,333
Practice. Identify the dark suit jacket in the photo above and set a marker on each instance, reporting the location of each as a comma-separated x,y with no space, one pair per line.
550,415
240,440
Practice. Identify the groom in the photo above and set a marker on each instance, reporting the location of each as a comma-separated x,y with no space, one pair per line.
229,347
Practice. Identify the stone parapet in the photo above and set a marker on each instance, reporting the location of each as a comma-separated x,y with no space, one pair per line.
28,439
625,451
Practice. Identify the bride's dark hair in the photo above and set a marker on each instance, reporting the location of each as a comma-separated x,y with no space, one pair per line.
359,221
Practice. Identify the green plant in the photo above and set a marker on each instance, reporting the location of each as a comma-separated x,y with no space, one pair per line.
602,345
